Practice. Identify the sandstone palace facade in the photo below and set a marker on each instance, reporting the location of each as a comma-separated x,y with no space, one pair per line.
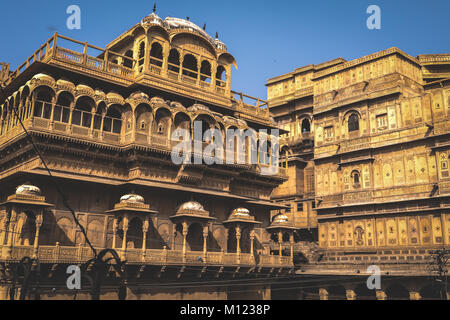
367,156
102,120
363,177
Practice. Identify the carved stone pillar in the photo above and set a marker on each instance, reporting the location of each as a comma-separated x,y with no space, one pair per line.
280,244
252,240
351,295
125,230
323,294
181,65
291,242
39,221
114,233
185,232
238,240
381,295
205,242
414,295
226,234
199,67
166,53
144,234
12,226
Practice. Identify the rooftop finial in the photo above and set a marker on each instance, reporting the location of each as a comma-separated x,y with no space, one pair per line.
204,26
154,7
217,35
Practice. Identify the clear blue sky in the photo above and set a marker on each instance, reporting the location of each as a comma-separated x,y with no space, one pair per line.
267,38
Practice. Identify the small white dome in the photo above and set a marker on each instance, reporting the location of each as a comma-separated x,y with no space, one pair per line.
191,205
242,212
28,189
152,19
132,198
281,218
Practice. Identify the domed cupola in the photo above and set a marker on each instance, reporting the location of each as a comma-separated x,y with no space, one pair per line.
280,219
152,19
28,189
191,211
241,216
132,203
219,44
132,198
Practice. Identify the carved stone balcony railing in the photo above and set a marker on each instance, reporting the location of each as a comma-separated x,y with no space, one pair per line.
80,254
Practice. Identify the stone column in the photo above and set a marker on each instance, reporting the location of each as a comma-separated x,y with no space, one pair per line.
205,240
414,295
185,232
381,295
323,294
12,226
125,230
181,65
144,234
291,242
238,244
166,53
280,244
351,295
39,220
114,233
238,240
252,240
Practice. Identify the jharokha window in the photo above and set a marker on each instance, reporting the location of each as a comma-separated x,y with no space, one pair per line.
382,121
353,123
356,179
328,133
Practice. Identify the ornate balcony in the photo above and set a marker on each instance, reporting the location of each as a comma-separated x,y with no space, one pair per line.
80,254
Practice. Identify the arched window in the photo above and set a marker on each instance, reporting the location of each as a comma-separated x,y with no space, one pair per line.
190,66
356,178
156,54
174,61
306,126
82,114
113,120
221,76
205,71
141,53
353,123
43,103
128,62
62,107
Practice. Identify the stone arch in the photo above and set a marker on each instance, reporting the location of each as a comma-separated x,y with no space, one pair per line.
43,100
194,237
156,54
174,61
143,115
64,101
25,229
205,71
221,76
82,113
162,123
190,67
134,234
113,119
